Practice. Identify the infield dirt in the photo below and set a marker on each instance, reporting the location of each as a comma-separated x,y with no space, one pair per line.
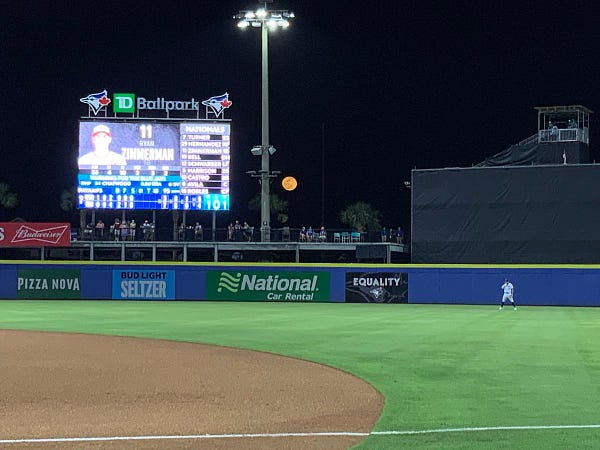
58,385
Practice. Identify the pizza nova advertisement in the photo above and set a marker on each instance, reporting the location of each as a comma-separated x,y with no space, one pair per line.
276,286
55,284
28,234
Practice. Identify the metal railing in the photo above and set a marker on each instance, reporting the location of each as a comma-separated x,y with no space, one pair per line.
165,234
530,140
564,135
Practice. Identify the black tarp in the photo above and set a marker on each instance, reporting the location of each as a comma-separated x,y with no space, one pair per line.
539,154
503,215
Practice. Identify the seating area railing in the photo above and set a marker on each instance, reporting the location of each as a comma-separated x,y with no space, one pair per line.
285,234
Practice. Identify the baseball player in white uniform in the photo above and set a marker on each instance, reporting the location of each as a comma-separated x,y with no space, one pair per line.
508,291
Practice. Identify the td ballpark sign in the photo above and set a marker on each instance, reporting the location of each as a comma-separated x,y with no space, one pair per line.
126,102
278,286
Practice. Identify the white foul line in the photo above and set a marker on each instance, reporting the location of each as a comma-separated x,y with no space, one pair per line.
190,436
460,430
279,435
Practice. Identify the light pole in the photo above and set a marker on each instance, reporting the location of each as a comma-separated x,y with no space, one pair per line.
267,20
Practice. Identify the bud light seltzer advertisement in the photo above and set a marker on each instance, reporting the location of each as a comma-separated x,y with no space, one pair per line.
55,284
274,286
376,287
143,284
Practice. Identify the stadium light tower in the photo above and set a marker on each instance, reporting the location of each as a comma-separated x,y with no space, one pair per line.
267,20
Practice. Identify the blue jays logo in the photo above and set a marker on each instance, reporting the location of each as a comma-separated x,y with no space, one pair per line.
377,292
218,104
96,101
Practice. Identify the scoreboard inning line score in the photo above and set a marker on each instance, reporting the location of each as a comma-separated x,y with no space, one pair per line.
154,165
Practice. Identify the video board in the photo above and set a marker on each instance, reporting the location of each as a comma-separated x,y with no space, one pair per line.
145,164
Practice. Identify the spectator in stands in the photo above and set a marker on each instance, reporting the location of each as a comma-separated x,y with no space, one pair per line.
400,235
198,232
553,131
384,234
116,230
310,234
152,230
247,232
132,227
88,232
147,230
189,233
302,234
100,229
237,231
124,228
322,235
230,232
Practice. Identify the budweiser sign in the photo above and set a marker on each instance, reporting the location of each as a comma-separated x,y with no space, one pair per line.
35,234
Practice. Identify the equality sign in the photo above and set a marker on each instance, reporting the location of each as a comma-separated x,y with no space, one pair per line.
29,234
376,287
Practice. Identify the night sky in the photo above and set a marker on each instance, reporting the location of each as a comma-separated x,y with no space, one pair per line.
394,85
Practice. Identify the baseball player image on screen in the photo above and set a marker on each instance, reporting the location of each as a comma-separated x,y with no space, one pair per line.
102,155
508,292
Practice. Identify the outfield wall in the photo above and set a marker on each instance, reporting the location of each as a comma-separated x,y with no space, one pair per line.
352,283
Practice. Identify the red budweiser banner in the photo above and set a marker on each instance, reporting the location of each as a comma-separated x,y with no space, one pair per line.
29,234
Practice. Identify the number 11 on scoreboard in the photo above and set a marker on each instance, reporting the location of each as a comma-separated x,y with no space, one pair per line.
146,131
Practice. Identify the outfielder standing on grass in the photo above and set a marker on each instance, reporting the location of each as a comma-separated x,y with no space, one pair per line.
508,291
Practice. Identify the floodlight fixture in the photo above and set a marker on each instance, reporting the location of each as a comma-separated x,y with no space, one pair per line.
263,16
267,20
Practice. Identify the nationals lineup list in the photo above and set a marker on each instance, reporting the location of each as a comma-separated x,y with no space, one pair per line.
167,166
204,158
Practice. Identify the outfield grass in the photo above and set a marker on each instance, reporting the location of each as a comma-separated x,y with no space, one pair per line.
438,366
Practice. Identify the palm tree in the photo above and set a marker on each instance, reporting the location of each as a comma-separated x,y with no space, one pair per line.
68,200
279,206
68,203
360,216
8,199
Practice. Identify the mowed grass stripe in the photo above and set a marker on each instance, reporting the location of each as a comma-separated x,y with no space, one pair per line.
439,366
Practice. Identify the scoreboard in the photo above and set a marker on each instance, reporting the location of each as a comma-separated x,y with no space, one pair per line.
154,165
